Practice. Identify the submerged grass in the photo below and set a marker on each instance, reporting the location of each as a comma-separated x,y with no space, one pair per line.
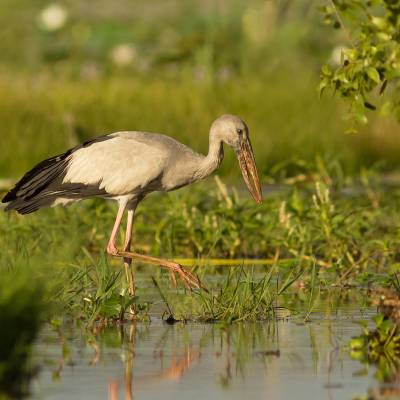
241,295
97,292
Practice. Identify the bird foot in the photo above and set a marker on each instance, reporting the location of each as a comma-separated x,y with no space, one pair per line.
112,250
189,280
115,252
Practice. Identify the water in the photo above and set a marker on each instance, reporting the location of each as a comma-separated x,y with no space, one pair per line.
285,360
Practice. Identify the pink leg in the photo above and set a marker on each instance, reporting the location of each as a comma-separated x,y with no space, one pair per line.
128,234
187,278
111,246
127,247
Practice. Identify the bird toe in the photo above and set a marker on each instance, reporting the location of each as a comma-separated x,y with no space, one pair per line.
112,250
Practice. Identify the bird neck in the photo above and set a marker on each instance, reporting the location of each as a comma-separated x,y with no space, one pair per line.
213,159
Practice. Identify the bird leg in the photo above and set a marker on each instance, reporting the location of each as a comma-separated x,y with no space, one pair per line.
127,247
188,279
113,250
111,246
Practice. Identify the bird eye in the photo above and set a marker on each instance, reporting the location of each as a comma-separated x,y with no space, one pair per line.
239,131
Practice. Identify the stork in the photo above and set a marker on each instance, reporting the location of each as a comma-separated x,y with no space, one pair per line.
126,167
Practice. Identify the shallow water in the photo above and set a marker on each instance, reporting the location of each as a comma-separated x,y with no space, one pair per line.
283,360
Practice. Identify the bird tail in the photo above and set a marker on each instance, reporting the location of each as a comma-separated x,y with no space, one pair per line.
37,188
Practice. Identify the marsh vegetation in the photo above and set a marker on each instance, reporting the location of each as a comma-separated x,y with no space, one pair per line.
326,235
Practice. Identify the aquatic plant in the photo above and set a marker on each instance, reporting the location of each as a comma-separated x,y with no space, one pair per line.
96,293
241,295
379,346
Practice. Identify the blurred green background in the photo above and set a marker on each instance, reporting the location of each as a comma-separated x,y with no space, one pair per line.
74,69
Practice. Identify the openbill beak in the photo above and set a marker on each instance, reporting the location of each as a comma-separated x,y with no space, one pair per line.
249,169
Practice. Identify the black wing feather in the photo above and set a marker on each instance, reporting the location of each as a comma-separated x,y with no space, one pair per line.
40,186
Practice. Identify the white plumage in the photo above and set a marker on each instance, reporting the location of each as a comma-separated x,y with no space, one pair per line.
120,166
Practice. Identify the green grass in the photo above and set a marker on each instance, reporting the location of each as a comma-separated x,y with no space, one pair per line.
241,295
335,237
288,135
61,87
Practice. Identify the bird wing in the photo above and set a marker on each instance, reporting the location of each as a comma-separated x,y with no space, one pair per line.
123,164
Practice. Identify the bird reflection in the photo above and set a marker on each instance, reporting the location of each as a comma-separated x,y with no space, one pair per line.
178,365
175,352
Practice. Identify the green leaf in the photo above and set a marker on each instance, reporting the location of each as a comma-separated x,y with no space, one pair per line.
373,74
357,343
111,307
326,70
351,131
394,268
361,118
378,319
379,22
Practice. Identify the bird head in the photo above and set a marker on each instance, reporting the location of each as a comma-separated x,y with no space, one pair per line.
233,131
